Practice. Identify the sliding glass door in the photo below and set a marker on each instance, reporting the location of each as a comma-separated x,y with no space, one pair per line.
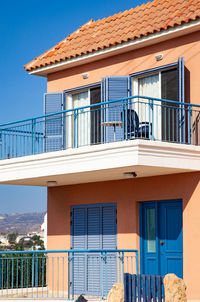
84,122
148,111
171,112
81,123
163,117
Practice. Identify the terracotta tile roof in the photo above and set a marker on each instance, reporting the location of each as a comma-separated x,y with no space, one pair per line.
122,27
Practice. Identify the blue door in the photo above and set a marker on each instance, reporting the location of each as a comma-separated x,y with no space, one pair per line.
161,244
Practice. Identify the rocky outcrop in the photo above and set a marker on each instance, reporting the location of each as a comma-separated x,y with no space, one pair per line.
175,289
116,294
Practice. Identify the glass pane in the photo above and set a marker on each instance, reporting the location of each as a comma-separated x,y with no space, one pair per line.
149,86
151,231
82,119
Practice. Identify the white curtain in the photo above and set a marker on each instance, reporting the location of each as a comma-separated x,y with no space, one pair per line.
81,121
150,87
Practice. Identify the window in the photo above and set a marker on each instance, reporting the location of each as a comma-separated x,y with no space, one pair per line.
151,231
162,84
83,125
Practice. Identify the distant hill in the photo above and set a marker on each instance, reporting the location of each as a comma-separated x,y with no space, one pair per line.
21,223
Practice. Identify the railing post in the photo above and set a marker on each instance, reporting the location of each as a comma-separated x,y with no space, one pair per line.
1,273
125,119
21,274
119,266
151,118
47,274
106,274
63,123
33,265
182,115
75,128
183,124
1,145
123,266
68,262
36,271
136,254
42,258
101,280
7,274
72,260
33,135
191,124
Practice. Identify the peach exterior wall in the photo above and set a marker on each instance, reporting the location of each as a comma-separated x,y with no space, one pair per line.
127,194
134,61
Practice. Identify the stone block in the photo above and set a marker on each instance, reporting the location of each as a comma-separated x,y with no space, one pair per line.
116,294
175,289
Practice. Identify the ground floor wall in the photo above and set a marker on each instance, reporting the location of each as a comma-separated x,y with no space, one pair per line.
128,194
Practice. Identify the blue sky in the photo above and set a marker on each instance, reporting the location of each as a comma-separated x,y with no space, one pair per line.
28,28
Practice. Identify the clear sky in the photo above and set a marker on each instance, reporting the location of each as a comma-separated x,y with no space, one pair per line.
28,28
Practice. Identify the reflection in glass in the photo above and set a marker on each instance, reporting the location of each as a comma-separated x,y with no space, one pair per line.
151,231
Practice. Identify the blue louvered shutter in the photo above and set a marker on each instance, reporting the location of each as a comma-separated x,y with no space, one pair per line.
181,95
94,227
93,242
109,241
79,243
181,79
54,125
113,88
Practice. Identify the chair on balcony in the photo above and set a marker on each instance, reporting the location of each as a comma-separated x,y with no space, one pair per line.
133,128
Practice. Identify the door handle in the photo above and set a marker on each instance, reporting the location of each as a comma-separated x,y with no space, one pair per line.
162,242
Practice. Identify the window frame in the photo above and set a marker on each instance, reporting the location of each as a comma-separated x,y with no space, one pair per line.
69,105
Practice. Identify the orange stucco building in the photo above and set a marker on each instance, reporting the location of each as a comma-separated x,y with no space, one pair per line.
150,136
128,194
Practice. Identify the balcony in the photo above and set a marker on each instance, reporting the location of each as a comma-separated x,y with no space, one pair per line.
141,134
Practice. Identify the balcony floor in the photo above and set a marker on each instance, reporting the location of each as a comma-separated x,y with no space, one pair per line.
101,163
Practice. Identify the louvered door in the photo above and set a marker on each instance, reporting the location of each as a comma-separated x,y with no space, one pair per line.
93,242
94,227
109,241
79,243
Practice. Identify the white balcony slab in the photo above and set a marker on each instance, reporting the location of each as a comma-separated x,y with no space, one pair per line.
101,163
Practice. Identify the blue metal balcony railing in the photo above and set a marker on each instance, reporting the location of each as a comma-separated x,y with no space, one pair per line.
63,273
135,117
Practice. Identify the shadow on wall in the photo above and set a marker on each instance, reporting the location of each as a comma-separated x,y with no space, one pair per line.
125,193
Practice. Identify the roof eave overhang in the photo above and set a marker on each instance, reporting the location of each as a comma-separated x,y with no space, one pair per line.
151,39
